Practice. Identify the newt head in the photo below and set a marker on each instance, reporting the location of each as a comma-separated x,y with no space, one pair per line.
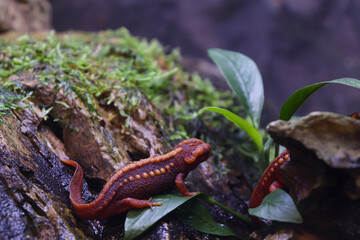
194,152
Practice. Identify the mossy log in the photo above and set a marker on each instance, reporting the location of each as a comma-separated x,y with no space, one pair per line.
103,100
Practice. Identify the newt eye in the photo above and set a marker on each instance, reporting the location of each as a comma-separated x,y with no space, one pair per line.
200,154
189,159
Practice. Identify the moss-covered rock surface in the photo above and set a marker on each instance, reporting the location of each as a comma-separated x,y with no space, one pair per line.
104,100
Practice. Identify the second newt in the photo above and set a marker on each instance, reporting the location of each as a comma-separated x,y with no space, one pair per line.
271,179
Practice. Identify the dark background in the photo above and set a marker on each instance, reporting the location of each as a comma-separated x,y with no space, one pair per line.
294,43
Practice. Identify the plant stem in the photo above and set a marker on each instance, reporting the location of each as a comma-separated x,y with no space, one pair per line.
212,201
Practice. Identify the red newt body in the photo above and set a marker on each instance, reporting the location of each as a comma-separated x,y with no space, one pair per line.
270,180
139,180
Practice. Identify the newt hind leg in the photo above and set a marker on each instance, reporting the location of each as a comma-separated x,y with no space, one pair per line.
123,205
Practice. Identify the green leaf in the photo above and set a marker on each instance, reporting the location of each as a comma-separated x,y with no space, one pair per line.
197,216
139,220
277,206
63,103
45,112
300,96
244,78
253,133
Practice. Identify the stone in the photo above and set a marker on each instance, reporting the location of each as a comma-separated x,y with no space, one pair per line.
323,174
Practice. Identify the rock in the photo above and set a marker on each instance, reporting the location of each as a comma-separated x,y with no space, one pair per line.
324,171
333,138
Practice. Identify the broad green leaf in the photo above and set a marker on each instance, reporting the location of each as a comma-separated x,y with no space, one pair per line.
253,133
197,216
244,78
300,96
277,206
139,220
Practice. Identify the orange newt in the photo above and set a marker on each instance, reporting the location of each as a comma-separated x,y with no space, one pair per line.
128,187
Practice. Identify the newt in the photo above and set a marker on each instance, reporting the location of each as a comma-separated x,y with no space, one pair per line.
128,186
271,179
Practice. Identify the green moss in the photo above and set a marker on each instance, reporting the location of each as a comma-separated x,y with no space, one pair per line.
95,65
115,67
10,101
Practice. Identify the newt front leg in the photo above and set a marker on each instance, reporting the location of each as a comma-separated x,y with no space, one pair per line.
180,184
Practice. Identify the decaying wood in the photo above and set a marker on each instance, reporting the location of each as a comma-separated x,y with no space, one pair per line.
34,183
